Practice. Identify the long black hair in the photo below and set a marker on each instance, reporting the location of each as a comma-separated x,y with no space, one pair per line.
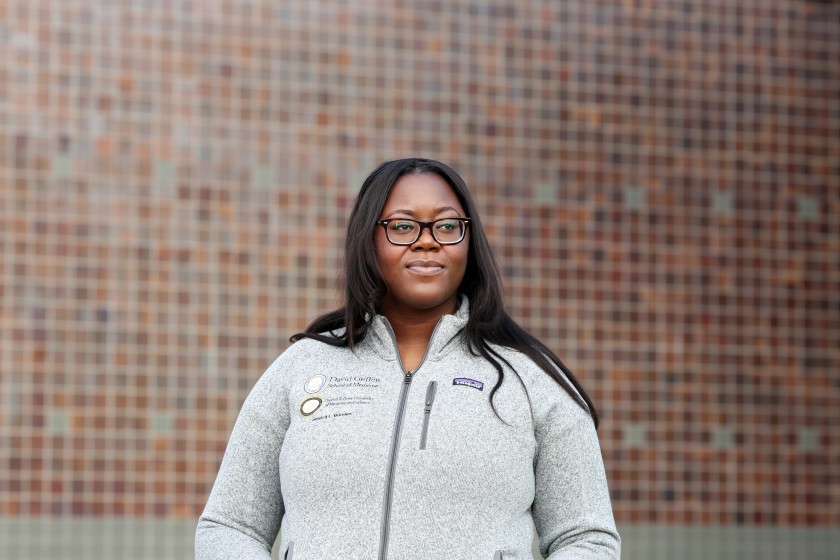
488,323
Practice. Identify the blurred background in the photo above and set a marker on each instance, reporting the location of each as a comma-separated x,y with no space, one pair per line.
660,180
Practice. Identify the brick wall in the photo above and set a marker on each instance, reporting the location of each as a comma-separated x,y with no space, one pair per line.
660,180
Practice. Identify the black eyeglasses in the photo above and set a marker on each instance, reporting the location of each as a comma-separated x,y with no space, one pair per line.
446,231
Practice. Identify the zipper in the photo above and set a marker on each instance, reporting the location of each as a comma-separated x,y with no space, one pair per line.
427,412
395,440
290,550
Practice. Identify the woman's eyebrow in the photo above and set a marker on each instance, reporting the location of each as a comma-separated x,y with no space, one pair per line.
412,212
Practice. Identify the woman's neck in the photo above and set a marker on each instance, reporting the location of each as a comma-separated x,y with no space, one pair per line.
413,331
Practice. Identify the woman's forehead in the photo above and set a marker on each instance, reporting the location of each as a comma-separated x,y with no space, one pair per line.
426,192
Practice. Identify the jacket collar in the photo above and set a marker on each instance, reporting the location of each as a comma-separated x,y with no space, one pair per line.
445,336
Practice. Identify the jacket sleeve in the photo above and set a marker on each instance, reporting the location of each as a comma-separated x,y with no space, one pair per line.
243,513
571,509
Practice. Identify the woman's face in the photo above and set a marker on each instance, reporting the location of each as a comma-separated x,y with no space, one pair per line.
423,276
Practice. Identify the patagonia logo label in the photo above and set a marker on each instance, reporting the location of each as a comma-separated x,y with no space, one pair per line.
466,382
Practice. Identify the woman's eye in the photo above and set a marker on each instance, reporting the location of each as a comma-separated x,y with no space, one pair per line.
446,226
402,226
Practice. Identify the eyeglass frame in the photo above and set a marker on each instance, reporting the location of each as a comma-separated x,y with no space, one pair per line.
424,225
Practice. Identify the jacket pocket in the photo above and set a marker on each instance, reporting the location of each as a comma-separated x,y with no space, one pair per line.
498,555
290,551
427,412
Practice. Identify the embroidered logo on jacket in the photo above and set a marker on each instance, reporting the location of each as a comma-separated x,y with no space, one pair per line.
315,383
310,405
467,382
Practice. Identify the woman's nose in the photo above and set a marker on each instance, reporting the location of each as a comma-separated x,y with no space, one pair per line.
426,238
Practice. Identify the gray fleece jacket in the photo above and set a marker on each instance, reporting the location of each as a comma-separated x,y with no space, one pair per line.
353,458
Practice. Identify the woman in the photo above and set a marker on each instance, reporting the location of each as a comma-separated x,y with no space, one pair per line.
418,421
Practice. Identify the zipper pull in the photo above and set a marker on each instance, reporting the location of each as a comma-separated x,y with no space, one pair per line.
430,396
427,412
407,379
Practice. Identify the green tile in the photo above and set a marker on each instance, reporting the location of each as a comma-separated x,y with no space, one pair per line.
162,422
164,171
545,193
634,198
356,181
263,176
58,421
723,437
358,171
808,439
723,203
807,207
634,435
62,166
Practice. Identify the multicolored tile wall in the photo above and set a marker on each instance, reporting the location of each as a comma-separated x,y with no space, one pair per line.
660,179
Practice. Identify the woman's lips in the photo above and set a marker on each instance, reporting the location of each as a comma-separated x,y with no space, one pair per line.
425,267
